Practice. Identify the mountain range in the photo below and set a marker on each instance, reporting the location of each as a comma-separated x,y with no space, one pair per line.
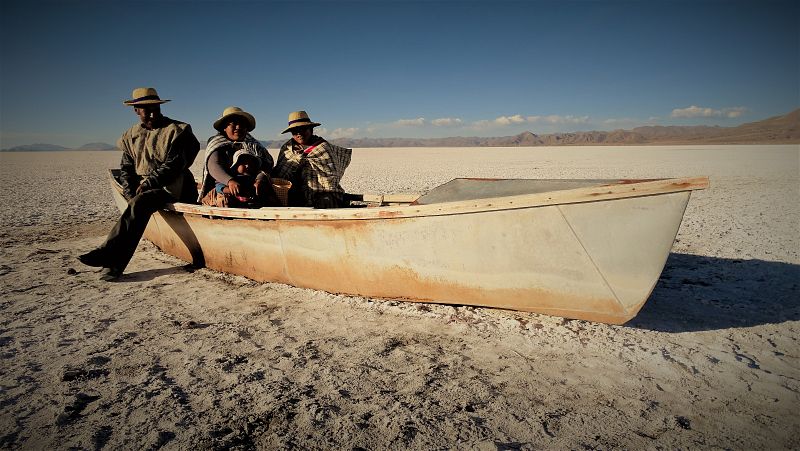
53,147
775,130
783,129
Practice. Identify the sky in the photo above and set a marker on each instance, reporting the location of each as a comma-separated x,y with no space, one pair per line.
395,68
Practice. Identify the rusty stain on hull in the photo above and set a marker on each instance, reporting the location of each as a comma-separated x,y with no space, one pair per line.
633,181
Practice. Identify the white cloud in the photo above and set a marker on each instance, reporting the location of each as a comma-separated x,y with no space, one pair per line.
498,122
509,120
418,122
555,119
619,120
694,111
552,119
697,111
446,122
734,112
344,133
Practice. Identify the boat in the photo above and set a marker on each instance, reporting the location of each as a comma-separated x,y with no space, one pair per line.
581,249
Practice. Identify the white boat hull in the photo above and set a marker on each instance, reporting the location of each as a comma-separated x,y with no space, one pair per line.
592,260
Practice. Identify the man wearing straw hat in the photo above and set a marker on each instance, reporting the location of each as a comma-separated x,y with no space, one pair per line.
154,171
314,166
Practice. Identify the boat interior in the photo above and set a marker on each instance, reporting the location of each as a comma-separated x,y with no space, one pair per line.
474,188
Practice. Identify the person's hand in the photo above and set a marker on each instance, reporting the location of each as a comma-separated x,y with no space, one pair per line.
260,185
143,186
234,187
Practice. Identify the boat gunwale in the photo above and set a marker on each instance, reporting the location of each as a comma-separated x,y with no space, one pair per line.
621,190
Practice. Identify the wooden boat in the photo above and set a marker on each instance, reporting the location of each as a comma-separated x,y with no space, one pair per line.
584,249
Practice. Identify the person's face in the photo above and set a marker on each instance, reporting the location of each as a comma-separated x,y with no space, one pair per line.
246,166
236,129
302,135
148,114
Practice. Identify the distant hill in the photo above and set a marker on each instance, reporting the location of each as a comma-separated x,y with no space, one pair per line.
35,148
97,146
53,147
775,130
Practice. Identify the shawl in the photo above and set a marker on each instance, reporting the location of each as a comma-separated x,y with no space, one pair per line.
316,169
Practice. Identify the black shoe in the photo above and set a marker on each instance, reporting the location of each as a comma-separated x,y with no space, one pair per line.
110,274
93,258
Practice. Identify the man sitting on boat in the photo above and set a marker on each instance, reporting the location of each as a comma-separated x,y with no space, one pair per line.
154,171
314,166
234,138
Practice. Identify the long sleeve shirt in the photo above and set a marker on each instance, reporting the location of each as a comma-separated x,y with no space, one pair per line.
157,158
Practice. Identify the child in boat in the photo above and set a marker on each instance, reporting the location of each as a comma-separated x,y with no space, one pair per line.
246,167
234,127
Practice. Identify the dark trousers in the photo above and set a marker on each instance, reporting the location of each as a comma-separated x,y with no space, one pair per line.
124,237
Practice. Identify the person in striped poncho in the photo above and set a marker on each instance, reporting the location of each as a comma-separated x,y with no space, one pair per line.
313,165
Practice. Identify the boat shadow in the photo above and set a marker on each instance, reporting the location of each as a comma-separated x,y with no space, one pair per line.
181,228
696,293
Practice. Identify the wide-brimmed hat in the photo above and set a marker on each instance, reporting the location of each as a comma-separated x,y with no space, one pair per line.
144,96
299,119
220,124
242,152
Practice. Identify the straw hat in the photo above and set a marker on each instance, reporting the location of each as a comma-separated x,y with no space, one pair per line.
241,152
299,119
220,124
144,96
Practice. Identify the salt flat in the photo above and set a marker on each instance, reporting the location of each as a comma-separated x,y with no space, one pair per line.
186,359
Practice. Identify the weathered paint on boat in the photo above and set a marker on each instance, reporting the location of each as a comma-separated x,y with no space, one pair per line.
580,249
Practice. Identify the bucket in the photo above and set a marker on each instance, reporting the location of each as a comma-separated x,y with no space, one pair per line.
281,187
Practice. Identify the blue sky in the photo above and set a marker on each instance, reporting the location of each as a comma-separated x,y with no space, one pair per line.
395,68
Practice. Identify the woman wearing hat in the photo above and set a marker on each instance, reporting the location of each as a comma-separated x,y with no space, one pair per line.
234,127
314,166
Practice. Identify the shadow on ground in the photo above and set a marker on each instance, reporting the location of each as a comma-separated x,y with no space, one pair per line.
150,274
696,293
